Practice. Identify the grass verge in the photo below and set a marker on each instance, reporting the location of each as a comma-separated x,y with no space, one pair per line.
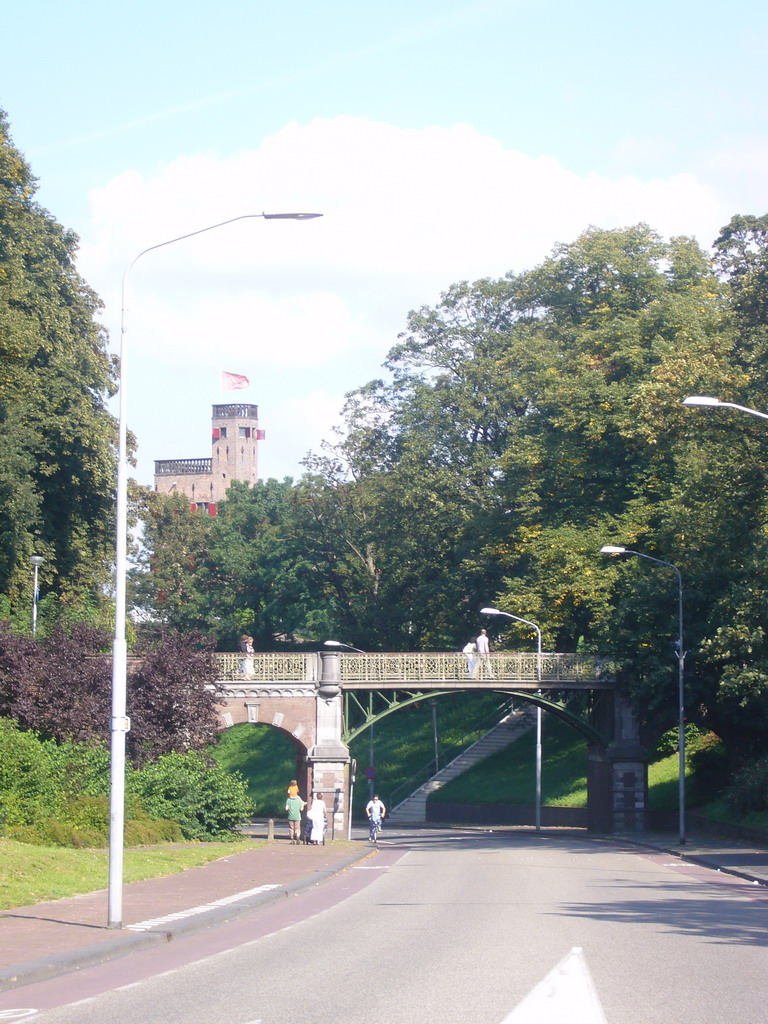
33,874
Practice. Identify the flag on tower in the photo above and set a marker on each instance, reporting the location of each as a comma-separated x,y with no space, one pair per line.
233,381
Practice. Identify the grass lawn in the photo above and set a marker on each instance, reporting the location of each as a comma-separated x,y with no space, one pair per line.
32,874
509,775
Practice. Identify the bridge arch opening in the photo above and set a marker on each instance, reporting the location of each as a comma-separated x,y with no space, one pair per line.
268,757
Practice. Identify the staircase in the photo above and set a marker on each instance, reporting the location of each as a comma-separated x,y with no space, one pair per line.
413,810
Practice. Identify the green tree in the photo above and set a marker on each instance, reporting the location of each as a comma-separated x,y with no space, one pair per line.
57,471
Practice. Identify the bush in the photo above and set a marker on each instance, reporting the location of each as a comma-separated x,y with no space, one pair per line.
51,832
710,766
208,802
667,743
58,795
29,776
152,832
748,793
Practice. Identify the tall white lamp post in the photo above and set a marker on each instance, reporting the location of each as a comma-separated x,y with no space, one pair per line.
35,561
707,402
119,722
611,549
518,618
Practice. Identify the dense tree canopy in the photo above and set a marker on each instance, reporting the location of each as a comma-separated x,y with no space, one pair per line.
56,435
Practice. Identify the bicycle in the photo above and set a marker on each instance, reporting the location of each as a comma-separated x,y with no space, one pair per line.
373,834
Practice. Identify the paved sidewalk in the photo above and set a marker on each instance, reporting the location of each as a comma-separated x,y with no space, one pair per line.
740,858
56,937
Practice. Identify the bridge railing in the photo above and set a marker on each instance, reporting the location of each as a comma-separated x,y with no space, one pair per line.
421,667
274,666
414,667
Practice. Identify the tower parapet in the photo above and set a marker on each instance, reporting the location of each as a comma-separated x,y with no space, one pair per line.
235,437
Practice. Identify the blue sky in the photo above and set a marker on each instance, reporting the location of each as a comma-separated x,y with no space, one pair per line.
442,141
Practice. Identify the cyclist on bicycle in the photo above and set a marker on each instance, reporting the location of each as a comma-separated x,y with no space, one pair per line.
376,811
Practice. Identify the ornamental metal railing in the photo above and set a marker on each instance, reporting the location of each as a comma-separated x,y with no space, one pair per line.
271,667
414,668
503,665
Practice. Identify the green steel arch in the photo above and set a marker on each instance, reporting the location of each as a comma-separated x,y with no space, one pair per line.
361,715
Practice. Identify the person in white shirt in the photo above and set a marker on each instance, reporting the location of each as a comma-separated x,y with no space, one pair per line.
376,811
484,653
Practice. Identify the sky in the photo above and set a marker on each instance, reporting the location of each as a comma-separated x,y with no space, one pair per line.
441,141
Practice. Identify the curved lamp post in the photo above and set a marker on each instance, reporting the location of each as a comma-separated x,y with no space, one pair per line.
35,561
611,549
119,722
518,618
707,402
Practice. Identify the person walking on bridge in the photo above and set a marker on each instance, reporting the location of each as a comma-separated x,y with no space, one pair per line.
484,654
469,650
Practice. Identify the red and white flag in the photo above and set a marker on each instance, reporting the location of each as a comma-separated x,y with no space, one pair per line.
233,381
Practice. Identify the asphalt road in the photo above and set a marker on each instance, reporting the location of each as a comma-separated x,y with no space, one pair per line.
476,928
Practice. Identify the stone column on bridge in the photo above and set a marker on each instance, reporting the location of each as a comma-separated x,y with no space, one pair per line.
329,757
617,775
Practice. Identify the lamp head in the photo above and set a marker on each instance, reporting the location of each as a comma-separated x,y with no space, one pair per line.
333,643
36,560
611,549
490,611
290,216
701,400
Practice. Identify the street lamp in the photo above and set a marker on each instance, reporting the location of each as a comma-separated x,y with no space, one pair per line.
35,561
518,618
338,643
611,549
119,722
706,401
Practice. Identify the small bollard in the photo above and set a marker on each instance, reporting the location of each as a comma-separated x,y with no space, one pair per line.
270,829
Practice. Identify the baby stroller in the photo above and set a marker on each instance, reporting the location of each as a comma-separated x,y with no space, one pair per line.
308,831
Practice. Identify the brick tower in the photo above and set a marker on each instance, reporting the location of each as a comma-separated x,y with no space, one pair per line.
235,436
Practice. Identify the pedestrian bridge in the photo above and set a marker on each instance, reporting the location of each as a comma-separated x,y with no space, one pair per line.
364,671
324,700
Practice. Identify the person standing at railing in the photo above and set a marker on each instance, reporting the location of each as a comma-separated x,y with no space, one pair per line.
484,654
245,646
470,650
242,646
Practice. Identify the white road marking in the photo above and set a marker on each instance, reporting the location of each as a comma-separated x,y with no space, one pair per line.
144,926
370,867
566,993
16,1014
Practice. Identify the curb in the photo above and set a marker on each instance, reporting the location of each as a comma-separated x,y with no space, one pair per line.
20,975
701,859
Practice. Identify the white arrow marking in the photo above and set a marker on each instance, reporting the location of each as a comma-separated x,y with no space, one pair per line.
566,993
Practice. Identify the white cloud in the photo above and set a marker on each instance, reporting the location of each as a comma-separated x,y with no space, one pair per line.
311,309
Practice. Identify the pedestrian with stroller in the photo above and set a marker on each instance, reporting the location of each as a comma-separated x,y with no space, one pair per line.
317,818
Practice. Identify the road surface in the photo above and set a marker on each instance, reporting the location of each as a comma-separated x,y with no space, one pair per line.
457,927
